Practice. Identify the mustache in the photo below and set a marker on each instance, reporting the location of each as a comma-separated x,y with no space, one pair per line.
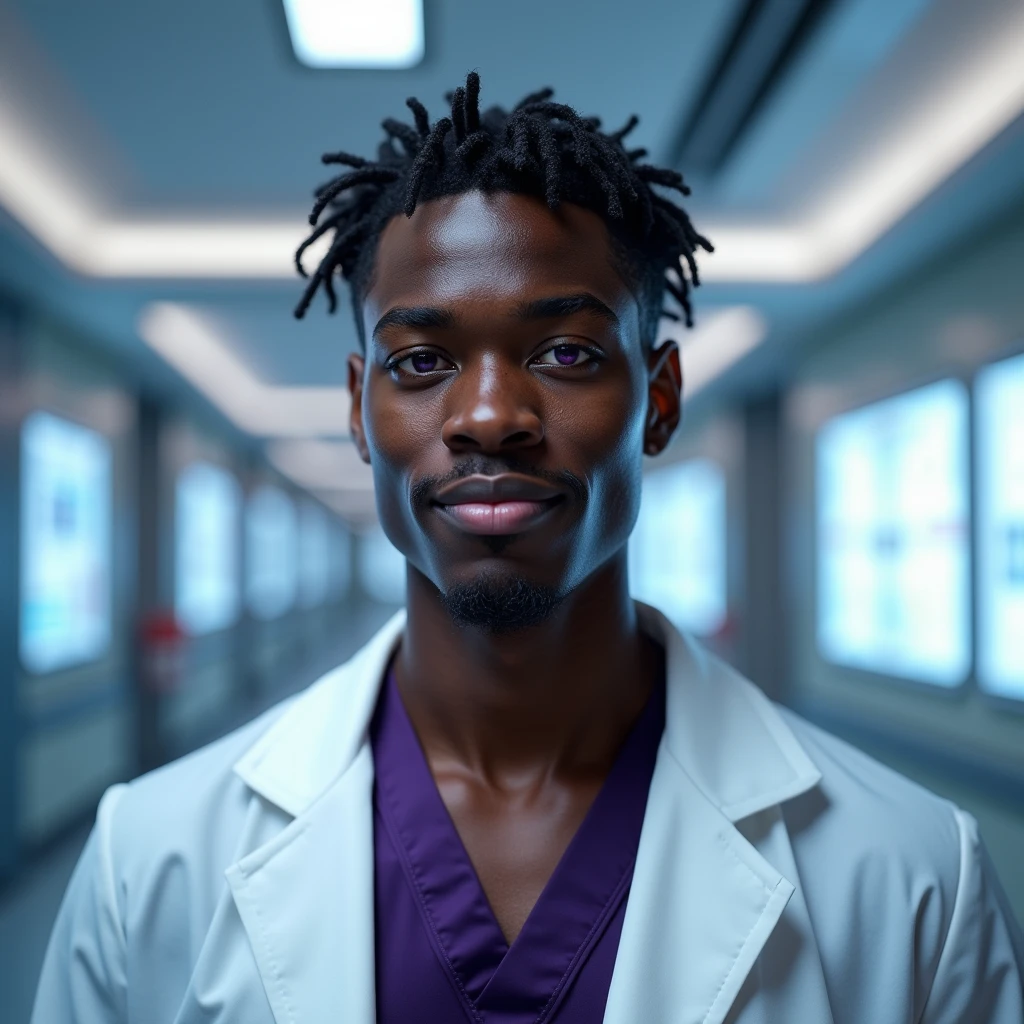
489,466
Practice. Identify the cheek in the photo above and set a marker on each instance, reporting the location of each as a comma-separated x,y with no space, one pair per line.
397,442
619,495
396,431
609,440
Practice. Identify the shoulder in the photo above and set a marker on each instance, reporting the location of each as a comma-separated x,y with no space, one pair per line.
867,808
887,809
879,860
882,857
195,813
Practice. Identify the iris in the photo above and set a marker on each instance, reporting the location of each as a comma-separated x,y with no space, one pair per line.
424,362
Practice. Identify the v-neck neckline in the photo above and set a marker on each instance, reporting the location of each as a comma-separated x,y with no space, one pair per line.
528,978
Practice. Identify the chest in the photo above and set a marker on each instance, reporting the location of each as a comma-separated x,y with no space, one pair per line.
515,837
500,904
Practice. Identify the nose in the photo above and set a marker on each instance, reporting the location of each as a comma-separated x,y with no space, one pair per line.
491,413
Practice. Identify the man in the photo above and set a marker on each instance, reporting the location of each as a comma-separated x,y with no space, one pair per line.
529,799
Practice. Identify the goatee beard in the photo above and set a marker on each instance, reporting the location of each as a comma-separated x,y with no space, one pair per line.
501,604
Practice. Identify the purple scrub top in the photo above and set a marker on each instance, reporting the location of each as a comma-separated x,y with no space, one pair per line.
440,954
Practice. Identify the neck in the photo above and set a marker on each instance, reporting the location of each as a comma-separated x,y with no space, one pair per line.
556,698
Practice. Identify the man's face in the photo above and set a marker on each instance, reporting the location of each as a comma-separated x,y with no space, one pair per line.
504,400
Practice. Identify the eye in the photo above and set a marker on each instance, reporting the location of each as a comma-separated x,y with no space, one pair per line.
567,355
420,364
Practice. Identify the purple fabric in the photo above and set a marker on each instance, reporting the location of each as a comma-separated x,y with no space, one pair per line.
440,953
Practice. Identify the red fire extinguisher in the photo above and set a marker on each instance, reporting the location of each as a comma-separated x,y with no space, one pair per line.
163,652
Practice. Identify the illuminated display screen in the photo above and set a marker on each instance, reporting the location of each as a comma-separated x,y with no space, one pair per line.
207,507
678,548
66,544
893,537
314,555
381,568
1000,459
271,574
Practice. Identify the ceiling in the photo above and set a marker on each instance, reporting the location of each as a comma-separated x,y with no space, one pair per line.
166,152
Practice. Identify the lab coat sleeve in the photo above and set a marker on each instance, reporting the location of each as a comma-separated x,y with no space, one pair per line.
84,978
980,974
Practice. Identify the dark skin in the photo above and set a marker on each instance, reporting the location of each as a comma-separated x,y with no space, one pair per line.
467,361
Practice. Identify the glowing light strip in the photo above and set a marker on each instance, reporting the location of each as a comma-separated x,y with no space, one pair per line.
185,339
320,465
968,107
720,339
36,193
198,250
965,109
332,471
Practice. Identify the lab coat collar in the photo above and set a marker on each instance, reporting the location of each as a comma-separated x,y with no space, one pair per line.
702,904
722,731
317,739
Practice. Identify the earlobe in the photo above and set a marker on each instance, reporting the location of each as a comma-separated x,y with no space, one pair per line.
665,394
356,368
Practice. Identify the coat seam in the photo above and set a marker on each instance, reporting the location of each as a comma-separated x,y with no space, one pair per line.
959,817
769,892
271,961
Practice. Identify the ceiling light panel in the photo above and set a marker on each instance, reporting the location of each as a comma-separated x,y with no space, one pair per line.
356,33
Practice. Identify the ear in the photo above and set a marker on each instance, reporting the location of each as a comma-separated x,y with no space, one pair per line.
664,397
356,367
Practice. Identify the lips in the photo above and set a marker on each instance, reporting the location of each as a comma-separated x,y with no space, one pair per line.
495,505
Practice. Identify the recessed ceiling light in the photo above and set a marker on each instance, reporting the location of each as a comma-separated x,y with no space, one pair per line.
356,33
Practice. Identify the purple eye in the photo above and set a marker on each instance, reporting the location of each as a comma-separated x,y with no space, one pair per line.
565,355
421,364
424,362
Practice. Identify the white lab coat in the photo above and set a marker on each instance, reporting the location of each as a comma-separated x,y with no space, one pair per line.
782,876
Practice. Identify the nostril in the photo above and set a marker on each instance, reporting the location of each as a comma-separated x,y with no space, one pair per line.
519,437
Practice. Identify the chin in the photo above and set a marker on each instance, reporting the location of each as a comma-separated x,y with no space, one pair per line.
501,602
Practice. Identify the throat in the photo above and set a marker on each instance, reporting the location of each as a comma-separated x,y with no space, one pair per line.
515,843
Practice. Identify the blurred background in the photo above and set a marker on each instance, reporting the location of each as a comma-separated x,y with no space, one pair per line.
186,534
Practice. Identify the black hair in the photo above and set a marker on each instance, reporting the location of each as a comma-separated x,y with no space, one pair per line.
539,148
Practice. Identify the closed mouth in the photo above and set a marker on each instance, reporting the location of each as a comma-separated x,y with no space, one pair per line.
498,517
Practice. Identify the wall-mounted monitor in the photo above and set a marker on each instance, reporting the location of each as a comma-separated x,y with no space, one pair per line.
893,537
678,548
271,559
207,507
66,544
314,555
999,403
381,568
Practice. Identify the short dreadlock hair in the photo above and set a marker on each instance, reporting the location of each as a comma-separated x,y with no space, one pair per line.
539,148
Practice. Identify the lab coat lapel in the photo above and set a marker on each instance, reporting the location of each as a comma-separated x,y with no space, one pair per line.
704,901
305,897
702,905
788,978
306,901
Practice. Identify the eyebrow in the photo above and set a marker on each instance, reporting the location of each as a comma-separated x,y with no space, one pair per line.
567,305
426,317
414,316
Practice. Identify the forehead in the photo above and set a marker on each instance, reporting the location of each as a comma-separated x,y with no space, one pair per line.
493,246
